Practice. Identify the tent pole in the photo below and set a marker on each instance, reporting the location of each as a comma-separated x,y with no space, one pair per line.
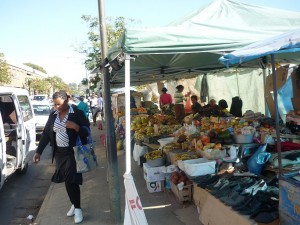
127,114
237,81
278,142
264,83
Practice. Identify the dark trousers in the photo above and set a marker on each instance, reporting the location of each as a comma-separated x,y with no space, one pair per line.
95,112
73,191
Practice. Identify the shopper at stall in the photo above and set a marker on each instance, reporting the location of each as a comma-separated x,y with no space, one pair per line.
165,99
179,99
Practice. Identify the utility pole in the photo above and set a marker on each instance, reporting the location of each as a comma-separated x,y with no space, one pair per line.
111,148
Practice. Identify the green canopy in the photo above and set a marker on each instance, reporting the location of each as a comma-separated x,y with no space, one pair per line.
192,45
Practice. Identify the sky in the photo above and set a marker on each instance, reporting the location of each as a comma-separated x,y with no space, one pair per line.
46,33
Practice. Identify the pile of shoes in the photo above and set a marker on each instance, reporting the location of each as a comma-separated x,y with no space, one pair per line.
250,196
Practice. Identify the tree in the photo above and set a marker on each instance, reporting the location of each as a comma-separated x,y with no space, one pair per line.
56,83
73,88
92,49
5,76
40,86
36,67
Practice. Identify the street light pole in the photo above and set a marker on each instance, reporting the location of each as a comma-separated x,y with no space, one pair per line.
112,158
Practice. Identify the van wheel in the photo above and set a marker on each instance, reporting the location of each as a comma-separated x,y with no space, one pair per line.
24,170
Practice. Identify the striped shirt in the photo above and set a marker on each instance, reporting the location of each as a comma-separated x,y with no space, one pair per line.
62,138
178,98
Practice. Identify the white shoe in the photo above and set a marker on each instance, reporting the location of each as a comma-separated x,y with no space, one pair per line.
71,211
78,217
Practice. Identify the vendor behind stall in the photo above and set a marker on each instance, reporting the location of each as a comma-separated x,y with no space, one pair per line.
211,108
179,99
165,99
223,107
196,107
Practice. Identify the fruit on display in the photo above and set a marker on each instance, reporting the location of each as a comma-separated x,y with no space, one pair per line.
119,145
168,129
205,139
184,156
139,110
153,155
138,122
178,177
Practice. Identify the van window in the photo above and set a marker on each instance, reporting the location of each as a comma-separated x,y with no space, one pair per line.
25,107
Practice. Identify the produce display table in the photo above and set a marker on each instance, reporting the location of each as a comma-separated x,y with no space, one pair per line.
214,212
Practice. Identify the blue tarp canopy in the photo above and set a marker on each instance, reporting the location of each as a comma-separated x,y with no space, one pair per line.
286,43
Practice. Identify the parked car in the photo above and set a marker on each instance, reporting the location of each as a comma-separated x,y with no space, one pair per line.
17,132
42,110
40,98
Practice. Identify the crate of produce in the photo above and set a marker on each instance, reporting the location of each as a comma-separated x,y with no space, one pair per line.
181,186
184,155
184,195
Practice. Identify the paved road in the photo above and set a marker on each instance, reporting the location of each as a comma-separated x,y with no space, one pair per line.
22,195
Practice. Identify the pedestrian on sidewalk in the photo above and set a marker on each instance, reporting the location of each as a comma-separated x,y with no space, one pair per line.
63,127
83,106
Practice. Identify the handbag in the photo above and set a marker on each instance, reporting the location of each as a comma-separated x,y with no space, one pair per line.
85,157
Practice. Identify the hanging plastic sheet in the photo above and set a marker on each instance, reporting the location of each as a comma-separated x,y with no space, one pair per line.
284,99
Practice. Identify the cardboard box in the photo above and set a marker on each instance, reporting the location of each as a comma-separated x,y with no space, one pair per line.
296,103
155,186
289,205
153,173
214,212
271,105
296,81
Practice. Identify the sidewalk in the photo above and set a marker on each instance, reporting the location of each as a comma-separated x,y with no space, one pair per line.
160,208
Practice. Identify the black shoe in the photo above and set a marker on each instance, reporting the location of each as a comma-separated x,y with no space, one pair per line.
266,217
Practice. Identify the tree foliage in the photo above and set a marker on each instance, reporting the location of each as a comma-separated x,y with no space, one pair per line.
36,67
45,85
92,49
5,76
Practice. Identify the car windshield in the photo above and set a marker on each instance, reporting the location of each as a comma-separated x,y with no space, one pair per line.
41,110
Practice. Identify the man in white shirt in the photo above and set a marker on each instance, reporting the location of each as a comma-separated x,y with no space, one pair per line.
96,107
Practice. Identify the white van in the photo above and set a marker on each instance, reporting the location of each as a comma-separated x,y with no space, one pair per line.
17,132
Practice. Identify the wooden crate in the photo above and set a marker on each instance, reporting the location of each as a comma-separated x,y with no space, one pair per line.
185,195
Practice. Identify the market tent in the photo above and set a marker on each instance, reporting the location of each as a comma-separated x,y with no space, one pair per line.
193,44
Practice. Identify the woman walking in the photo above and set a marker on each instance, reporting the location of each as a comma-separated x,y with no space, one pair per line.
63,127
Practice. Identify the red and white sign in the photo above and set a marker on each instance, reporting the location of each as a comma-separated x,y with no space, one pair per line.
134,213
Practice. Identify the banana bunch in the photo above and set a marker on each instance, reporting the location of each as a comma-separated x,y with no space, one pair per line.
153,155
182,157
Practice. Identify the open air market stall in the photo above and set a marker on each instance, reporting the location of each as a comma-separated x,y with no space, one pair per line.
286,45
188,48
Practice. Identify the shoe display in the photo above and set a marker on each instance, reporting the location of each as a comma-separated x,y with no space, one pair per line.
78,217
259,185
71,211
